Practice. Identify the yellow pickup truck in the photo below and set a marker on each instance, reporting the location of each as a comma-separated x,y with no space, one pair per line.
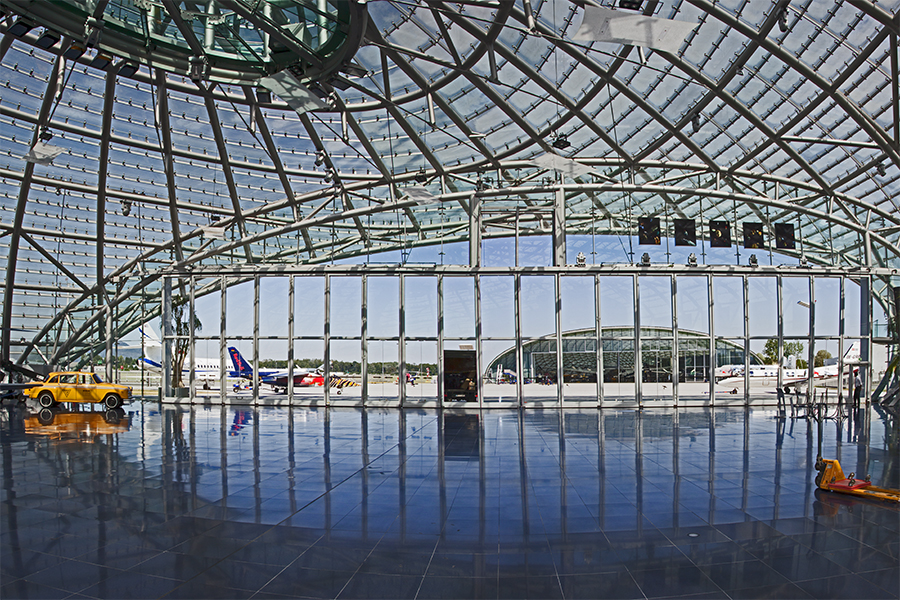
75,386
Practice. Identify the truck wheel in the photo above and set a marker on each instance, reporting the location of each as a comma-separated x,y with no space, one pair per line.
46,399
112,401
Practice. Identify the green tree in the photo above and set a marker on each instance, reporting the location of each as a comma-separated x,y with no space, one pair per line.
821,357
182,328
770,352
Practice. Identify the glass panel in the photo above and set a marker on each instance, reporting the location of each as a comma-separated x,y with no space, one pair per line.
346,369
382,375
498,313
577,296
828,306
500,367
273,366
656,302
693,366
239,311
459,307
309,306
617,302
580,369
421,364
273,306
208,307
421,306
656,369
796,306
618,368
538,306
728,306
763,306
346,299
693,304
384,306
852,307
539,364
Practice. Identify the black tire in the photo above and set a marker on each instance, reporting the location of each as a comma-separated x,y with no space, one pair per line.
46,399
45,417
113,416
819,480
112,401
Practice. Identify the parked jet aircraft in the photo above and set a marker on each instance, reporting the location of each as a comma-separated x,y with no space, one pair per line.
277,378
767,375
205,368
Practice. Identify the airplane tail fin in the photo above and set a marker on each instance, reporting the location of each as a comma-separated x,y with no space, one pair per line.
852,353
241,366
151,338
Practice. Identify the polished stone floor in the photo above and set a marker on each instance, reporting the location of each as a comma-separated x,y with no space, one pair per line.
163,501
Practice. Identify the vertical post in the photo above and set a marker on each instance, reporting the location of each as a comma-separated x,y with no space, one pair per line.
166,315
811,351
598,333
223,355
712,341
676,365
865,331
363,333
560,375
779,300
401,381
327,358
479,378
841,332
109,342
746,340
559,227
440,332
255,379
520,388
192,354
475,230
290,335
638,360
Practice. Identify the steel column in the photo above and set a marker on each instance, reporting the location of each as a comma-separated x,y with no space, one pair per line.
746,288
363,333
779,300
290,335
865,332
327,335
440,332
479,378
712,341
598,332
475,230
638,360
676,373
560,397
520,388
223,354
559,228
811,351
255,378
401,351
166,315
192,355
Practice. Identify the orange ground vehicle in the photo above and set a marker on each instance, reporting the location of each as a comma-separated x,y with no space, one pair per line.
75,386
831,477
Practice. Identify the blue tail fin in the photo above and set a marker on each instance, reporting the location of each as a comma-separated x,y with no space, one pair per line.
241,367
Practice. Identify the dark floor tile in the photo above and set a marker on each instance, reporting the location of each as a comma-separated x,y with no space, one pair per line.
886,579
744,574
617,585
130,585
843,586
377,586
18,563
685,578
433,588
391,562
192,590
463,565
316,583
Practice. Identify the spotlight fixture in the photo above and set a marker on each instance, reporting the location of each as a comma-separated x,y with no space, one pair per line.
126,207
695,123
561,142
320,158
199,68
47,40
101,61
127,69
421,176
20,27
692,260
328,176
783,20
645,259
45,135
803,261
754,262
263,95
880,169
630,4
581,260
74,51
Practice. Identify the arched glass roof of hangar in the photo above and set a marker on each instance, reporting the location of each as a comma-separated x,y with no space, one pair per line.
300,131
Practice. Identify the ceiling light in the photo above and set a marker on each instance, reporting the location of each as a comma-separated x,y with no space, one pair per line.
320,158
199,68
754,262
645,259
692,260
880,169
20,27
695,123
421,176
561,142
47,40
101,61
630,4
74,51
127,69
783,20
263,95
45,135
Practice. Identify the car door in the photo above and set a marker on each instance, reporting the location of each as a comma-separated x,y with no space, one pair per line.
66,390
85,390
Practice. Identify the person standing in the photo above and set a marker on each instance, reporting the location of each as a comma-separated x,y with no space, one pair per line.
857,386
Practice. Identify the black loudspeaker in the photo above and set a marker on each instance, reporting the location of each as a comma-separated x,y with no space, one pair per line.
648,231
685,232
753,236
784,236
719,234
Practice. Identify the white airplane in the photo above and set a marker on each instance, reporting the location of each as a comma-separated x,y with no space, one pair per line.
205,368
732,376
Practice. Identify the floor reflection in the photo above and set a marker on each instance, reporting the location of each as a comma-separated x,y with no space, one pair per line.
200,501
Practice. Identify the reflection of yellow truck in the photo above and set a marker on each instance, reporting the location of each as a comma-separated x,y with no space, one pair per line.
75,386
59,424
831,477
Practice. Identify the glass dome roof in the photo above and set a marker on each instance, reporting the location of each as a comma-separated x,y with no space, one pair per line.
174,153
